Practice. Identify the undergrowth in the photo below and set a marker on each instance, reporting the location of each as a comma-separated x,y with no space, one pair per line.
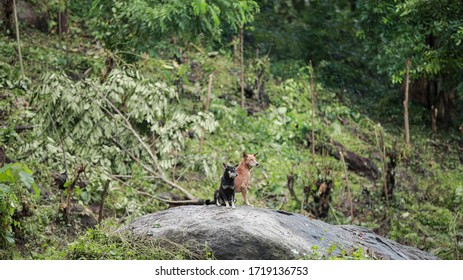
106,244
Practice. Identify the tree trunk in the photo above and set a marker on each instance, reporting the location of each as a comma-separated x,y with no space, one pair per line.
434,120
406,124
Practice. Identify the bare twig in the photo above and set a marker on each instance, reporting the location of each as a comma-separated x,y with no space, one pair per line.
382,150
19,128
150,170
312,90
242,67
154,173
80,170
119,176
235,50
18,40
126,123
67,32
103,198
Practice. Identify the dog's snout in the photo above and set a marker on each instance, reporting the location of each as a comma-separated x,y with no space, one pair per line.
257,164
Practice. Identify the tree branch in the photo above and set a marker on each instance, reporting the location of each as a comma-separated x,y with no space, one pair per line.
158,173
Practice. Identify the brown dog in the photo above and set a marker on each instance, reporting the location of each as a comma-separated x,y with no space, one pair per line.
244,175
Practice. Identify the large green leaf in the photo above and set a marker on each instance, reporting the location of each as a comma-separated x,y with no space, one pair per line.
28,180
4,168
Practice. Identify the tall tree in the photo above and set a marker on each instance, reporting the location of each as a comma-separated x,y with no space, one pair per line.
431,34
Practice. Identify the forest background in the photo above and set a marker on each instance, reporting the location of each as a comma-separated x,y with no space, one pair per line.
110,110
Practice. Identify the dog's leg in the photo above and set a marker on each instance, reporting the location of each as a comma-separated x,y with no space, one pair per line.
244,192
224,197
216,197
233,200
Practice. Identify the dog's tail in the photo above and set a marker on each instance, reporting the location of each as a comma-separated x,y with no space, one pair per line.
213,201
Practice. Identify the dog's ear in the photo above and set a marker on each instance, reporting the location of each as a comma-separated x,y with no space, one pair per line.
224,165
255,155
245,155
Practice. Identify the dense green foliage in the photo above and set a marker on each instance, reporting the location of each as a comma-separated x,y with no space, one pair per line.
144,127
15,181
150,25
424,31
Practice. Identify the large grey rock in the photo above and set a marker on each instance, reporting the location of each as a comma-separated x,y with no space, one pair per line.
253,233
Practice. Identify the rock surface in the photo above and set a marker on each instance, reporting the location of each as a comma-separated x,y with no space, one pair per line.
255,233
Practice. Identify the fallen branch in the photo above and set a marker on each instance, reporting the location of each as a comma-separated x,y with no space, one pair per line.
158,172
154,173
173,203
19,128
362,165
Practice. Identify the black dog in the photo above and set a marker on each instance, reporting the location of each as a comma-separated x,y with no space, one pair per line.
226,192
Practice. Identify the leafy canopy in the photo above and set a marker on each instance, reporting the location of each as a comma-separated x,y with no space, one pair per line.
146,25
429,32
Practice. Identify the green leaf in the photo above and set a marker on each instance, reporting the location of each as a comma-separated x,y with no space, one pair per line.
4,168
85,196
5,175
36,190
67,184
9,237
26,179
5,188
